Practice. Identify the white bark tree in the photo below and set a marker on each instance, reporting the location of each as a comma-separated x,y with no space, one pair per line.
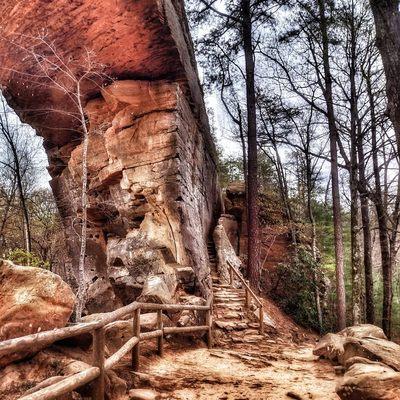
68,76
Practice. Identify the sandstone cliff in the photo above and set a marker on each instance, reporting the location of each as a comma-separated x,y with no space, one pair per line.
274,238
153,190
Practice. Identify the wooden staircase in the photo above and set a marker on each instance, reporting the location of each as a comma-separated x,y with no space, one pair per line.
235,319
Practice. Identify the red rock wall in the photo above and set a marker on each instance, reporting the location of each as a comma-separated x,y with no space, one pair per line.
153,190
274,238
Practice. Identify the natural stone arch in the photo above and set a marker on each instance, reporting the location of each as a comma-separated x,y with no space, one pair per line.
153,182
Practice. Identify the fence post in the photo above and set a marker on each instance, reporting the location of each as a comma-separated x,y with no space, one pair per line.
98,361
136,332
248,300
261,318
209,331
160,339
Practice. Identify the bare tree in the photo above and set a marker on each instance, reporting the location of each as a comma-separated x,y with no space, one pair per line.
387,23
18,160
234,35
312,30
68,77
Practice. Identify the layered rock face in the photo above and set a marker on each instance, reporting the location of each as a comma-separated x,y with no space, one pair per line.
153,191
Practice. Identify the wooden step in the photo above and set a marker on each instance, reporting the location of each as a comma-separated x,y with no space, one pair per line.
229,295
228,290
225,307
234,303
229,300
231,326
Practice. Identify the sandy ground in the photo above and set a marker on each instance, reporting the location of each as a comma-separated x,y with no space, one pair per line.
275,371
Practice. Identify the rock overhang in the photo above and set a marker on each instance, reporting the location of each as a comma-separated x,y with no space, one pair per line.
152,181
140,40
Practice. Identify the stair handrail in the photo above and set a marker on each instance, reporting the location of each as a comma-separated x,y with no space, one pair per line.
209,319
97,328
249,291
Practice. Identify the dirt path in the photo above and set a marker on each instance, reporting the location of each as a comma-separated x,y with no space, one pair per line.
275,371
245,363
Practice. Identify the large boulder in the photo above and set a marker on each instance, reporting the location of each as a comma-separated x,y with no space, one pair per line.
369,381
371,362
186,277
373,349
136,260
363,330
191,317
31,300
155,290
332,345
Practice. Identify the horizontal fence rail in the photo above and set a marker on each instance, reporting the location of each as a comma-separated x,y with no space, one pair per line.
249,294
100,365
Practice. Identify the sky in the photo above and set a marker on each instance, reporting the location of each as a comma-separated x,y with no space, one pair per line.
35,143
43,177
221,123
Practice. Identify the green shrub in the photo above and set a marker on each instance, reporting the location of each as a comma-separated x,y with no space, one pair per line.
23,257
296,294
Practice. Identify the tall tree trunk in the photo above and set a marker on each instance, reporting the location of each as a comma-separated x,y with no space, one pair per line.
385,251
243,145
387,24
252,197
21,193
9,200
382,221
313,240
285,193
244,156
356,267
333,138
365,219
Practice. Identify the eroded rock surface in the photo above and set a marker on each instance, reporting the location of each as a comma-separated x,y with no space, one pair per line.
31,300
364,331
50,366
370,361
371,381
153,191
381,350
225,251
275,238
332,345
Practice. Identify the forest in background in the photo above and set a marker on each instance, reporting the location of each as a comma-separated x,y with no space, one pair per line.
30,226
301,89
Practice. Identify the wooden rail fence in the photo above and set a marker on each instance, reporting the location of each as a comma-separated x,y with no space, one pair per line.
100,365
249,294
